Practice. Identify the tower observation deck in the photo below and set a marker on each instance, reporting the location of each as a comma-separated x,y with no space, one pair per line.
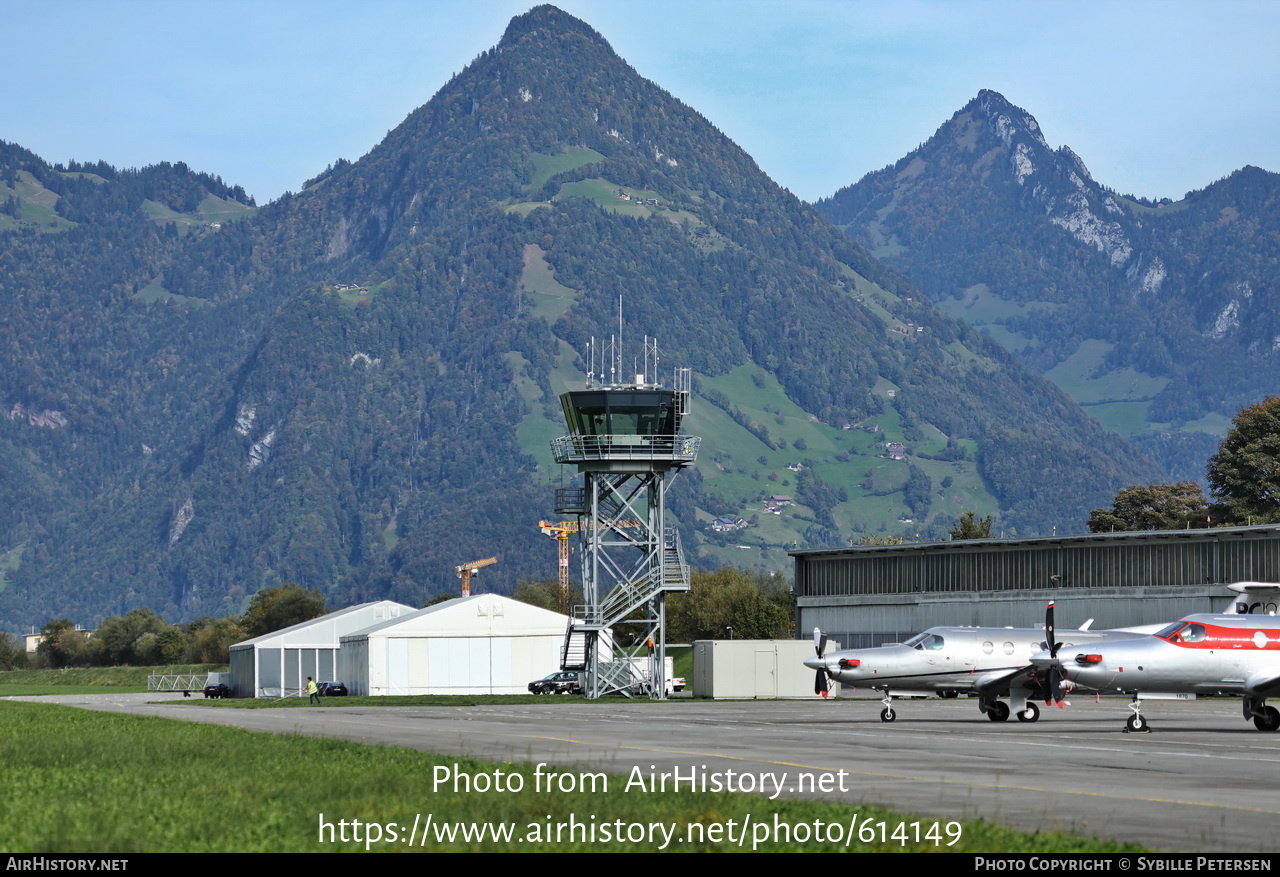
625,440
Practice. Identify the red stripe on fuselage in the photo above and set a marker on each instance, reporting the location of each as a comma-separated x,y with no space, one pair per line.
1216,637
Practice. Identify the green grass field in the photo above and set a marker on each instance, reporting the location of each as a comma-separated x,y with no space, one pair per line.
211,209
605,193
81,781
91,680
547,166
155,291
9,561
980,307
37,205
550,298
536,430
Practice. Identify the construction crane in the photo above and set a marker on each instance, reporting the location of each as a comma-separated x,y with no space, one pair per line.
560,530
466,570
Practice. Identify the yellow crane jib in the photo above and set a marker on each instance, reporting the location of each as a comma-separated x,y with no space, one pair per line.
560,530
466,570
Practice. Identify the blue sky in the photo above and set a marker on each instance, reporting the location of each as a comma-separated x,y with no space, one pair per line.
1157,98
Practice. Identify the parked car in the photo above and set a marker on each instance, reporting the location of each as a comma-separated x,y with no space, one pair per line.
332,689
218,690
677,684
563,682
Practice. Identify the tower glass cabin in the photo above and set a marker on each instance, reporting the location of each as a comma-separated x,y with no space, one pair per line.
626,443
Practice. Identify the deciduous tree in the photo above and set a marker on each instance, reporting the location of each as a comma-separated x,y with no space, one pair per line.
1244,475
755,606
278,608
1153,507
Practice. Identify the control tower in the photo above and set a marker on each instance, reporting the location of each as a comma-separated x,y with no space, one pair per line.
625,439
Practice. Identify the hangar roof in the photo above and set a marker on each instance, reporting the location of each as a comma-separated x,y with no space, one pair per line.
324,632
1042,541
477,615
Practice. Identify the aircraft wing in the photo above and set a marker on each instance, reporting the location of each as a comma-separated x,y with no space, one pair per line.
1000,681
1262,685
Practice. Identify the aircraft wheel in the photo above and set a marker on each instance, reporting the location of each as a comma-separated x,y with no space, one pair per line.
887,715
998,711
1269,720
1137,723
1030,714
948,695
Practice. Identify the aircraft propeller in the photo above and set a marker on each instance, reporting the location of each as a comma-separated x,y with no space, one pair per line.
822,680
1055,673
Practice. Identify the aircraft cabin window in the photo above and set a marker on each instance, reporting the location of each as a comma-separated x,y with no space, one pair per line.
988,647
1008,648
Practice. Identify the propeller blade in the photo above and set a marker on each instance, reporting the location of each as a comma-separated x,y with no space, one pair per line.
821,680
819,642
1055,687
1049,637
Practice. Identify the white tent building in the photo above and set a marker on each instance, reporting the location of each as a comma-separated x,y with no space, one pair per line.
277,664
482,644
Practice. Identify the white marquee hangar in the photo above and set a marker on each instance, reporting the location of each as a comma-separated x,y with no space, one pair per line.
277,664
482,644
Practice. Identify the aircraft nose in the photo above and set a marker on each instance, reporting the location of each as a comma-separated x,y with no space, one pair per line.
814,663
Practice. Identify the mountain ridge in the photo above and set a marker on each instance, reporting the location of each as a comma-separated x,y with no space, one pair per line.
347,387
1139,309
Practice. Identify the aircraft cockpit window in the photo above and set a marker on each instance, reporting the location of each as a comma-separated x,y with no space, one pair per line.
1193,633
916,640
1183,633
926,642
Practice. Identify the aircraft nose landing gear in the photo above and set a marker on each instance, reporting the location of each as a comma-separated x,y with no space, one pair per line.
1136,724
887,714
1030,714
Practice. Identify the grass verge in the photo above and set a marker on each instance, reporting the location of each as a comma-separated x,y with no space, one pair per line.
90,680
107,783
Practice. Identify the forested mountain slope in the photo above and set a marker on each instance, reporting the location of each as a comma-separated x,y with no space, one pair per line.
1162,318
352,388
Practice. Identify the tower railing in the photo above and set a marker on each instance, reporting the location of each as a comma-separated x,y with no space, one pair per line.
589,448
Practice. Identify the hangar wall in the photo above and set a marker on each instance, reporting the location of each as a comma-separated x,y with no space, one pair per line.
482,644
870,595
277,664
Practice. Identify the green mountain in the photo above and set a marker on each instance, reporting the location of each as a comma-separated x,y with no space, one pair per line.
353,388
1160,318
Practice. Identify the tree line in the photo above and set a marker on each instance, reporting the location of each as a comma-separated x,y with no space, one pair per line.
140,638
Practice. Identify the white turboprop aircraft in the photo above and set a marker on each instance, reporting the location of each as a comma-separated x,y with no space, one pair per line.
990,662
1201,654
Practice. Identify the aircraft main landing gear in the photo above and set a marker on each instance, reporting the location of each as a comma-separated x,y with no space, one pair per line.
1030,714
998,711
1265,718
1136,723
